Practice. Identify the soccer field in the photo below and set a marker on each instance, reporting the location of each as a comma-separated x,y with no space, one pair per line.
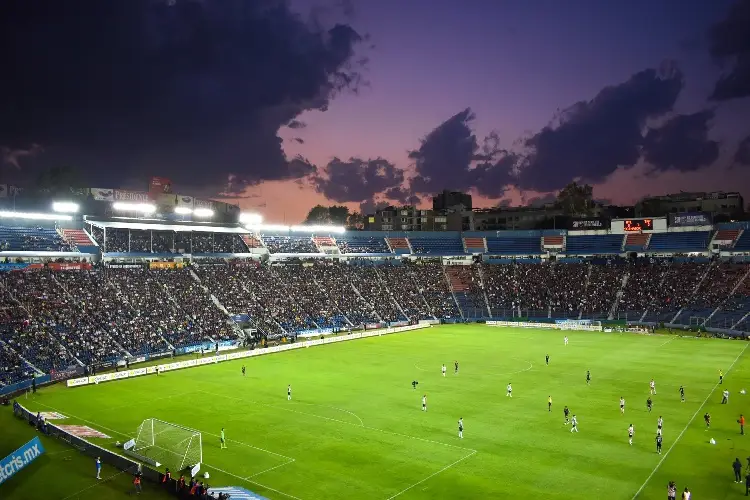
355,429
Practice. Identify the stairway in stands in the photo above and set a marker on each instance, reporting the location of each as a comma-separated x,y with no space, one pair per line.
79,239
459,278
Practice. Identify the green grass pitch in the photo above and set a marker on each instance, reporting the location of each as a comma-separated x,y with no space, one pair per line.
355,429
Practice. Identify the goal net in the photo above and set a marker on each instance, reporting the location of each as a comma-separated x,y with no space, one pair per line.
171,445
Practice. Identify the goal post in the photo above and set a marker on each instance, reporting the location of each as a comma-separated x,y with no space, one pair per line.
172,445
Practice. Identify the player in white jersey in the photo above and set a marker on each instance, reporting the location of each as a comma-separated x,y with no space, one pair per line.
659,423
574,423
631,431
510,391
652,387
424,402
622,405
443,369
461,428
565,339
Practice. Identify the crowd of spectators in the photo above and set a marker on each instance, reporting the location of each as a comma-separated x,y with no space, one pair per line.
565,284
642,288
401,282
366,280
431,278
336,279
289,244
471,296
604,281
363,245
500,288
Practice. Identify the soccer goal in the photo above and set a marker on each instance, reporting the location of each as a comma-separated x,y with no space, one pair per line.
172,445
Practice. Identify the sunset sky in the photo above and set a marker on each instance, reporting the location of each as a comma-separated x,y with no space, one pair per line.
270,101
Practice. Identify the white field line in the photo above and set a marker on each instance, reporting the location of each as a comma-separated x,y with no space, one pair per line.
416,365
688,425
270,469
433,475
252,482
668,341
335,408
289,459
97,483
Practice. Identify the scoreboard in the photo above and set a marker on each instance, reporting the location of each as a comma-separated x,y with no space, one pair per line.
637,225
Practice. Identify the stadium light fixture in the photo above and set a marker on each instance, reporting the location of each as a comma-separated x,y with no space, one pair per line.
145,208
66,207
203,212
273,227
251,219
183,210
33,216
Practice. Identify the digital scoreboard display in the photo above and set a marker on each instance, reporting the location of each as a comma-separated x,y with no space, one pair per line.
634,225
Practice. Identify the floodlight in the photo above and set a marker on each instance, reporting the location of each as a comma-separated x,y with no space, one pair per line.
318,229
203,212
145,208
183,210
65,207
33,215
251,219
274,228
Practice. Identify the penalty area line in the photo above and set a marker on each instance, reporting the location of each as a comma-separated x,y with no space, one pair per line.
688,425
252,482
433,475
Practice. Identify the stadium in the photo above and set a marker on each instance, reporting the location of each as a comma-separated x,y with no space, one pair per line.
143,338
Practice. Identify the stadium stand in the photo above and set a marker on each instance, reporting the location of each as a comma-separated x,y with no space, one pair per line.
406,292
437,245
362,244
29,239
399,245
636,242
683,241
553,242
743,242
514,245
600,244
465,284
289,244
725,238
78,239
475,245
251,241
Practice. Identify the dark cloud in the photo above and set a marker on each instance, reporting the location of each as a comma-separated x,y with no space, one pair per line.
401,195
729,43
372,206
299,140
356,180
13,157
682,143
296,124
540,201
593,138
193,90
742,155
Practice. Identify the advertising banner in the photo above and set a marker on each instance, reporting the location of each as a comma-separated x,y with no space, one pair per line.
10,266
589,223
131,196
159,185
70,372
689,219
165,265
20,458
69,266
185,201
102,194
203,203
125,266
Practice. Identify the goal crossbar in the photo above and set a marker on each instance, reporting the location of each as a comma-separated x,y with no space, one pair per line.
171,444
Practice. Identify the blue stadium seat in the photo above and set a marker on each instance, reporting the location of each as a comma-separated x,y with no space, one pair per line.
696,241
600,244
437,246
743,243
362,244
515,245
31,239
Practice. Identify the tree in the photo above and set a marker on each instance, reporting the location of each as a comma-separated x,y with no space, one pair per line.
576,199
318,215
355,221
338,214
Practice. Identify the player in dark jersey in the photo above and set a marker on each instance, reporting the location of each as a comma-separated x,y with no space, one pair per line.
546,359
243,370
658,443
588,377
549,403
682,394
649,404
414,384
707,419
566,412
455,367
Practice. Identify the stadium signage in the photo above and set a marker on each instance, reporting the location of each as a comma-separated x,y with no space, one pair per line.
122,195
57,375
68,266
20,458
589,223
101,194
564,325
690,219
236,355
165,265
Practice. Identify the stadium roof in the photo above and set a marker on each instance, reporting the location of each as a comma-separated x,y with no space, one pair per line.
164,225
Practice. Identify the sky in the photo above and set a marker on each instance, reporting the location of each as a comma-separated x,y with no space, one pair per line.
278,106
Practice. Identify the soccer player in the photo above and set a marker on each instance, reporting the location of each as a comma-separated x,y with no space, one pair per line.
686,494
546,359
725,397
588,377
707,419
243,370
622,405
223,440
98,467
461,428
741,421
574,423
566,412
549,403
455,366
509,394
649,403
631,431
682,394
652,387
659,423
424,402
658,443
565,339
289,392
414,384
443,369
721,377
